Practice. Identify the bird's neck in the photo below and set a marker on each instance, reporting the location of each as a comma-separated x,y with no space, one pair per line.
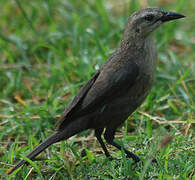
135,42
142,51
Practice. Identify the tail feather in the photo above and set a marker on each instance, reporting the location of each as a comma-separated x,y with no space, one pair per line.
72,129
41,147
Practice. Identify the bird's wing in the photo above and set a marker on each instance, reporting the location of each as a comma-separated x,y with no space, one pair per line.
102,87
109,85
78,98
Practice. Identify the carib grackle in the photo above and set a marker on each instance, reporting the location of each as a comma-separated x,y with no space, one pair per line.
117,89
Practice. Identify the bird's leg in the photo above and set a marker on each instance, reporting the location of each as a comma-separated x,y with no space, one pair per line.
109,137
128,153
98,133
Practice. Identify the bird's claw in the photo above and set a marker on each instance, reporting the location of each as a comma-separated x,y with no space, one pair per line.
154,161
113,159
133,156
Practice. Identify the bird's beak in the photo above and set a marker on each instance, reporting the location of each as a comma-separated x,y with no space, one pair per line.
168,16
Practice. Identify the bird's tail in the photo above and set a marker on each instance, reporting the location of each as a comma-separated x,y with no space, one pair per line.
60,134
41,147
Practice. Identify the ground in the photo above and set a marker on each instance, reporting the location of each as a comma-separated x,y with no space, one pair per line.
49,49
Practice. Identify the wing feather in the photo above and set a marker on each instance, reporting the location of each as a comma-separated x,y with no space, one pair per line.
102,87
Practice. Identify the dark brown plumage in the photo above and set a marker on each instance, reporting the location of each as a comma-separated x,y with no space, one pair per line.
117,89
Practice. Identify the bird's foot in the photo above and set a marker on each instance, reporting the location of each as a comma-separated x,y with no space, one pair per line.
113,158
133,156
154,161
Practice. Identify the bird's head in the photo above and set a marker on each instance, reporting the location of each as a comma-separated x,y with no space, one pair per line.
143,22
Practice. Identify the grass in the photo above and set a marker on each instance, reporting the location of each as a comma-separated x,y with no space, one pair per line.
49,49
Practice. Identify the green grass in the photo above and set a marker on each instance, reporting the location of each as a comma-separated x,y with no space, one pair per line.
49,49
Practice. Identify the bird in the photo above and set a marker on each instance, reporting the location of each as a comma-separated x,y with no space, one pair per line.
117,89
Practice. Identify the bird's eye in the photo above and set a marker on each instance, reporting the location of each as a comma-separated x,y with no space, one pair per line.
149,17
